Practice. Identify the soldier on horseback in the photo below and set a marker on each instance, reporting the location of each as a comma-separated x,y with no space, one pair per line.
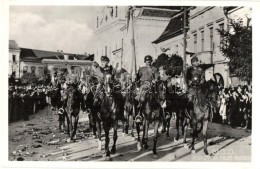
105,70
148,73
195,77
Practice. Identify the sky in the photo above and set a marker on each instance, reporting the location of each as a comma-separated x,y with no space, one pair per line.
67,28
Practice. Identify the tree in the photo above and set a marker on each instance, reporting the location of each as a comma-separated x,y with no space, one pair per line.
172,64
236,45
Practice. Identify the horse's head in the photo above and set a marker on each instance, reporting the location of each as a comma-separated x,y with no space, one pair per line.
161,93
108,85
212,93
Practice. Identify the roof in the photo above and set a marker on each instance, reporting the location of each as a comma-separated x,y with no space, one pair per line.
229,8
38,55
13,45
156,12
173,29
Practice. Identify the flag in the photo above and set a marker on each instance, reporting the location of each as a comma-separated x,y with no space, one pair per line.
130,54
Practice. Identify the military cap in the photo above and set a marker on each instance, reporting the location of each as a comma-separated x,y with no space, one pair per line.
148,58
104,58
194,59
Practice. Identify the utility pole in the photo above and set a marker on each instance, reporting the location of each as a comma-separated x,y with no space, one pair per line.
184,47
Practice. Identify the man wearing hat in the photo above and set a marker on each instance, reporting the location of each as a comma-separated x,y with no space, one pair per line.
148,73
105,69
195,77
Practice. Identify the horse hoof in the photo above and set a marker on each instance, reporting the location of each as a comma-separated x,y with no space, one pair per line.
186,146
155,156
113,151
139,146
107,158
68,140
145,146
133,138
99,145
193,151
94,136
206,152
123,134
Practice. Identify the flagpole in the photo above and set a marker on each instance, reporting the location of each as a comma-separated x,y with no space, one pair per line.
185,46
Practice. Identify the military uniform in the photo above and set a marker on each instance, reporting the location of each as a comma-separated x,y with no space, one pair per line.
195,77
146,74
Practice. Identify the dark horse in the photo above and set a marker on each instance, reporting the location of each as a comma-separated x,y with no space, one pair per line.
198,111
74,101
88,92
152,98
111,110
130,107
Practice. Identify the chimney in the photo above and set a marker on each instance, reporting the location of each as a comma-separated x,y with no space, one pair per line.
66,57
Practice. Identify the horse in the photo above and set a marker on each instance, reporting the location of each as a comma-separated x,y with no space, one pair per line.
152,98
130,107
74,102
198,111
175,104
111,110
88,92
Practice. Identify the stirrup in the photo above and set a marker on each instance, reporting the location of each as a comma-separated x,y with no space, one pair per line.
61,111
138,119
52,108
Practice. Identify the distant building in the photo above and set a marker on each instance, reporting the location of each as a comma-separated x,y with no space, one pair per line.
25,60
202,37
14,59
110,34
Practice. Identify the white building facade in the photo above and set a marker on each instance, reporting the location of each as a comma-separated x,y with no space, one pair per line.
111,33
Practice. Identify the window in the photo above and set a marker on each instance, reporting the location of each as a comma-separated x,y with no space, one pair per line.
14,58
25,69
221,28
116,11
195,42
202,41
97,22
211,38
33,69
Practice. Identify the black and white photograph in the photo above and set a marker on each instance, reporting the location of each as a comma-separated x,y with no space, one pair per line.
130,83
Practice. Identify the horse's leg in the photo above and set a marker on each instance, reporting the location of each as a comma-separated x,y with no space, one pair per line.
155,155
106,126
139,147
126,123
194,134
98,124
177,124
168,128
76,119
113,150
145,134
68,117
131,119
185,127
204,133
